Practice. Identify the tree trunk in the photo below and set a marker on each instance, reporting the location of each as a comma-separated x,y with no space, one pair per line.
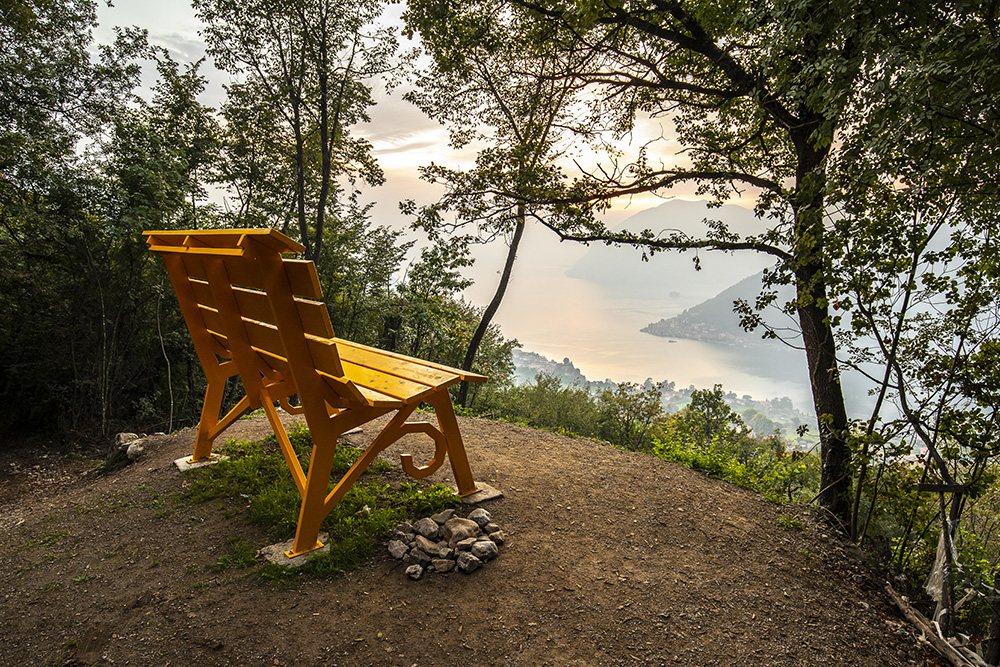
817,331
324,148
946,618
828,402
330,132
300,178
484,323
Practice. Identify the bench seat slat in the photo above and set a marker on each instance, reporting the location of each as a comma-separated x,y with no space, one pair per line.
384,383
346,347
392,365
368,396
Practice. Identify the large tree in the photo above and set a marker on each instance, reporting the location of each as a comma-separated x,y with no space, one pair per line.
255,165
308,61
68,271
918,224
756,92
775,101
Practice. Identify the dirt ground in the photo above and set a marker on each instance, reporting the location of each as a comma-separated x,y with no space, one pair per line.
613,558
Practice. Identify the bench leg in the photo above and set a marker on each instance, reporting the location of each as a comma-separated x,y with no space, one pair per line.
316,502
209,418
210,425
311,513
453,437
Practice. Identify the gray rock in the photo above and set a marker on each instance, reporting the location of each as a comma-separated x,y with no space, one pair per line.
485,551
398,549
480,516
443,565
427,527
457,544
122,439
442,517
466,544
458,529
135,450
428,547
417,557
401,536
468,563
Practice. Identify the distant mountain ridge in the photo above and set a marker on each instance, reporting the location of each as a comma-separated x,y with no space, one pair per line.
713,320
670,279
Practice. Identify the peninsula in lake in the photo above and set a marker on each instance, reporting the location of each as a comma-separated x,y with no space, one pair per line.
713,321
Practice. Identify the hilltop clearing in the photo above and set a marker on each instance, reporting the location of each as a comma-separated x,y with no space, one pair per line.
614,558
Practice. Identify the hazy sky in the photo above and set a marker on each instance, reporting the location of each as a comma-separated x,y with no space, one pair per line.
403,138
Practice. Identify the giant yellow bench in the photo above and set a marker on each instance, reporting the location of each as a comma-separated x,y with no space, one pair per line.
254,313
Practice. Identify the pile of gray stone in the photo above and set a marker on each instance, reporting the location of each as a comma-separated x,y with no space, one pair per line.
132,444
444,542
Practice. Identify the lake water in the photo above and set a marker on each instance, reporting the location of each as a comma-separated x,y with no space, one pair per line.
598,328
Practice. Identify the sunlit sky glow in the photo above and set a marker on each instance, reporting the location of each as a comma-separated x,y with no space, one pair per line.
403,138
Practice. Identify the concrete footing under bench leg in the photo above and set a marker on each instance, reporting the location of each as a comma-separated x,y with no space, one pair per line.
275,553
485,492
184,464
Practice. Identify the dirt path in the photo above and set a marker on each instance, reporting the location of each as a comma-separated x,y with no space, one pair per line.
614,558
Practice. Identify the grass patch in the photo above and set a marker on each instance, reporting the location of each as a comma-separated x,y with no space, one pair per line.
789,522
257,473
242,554
45,540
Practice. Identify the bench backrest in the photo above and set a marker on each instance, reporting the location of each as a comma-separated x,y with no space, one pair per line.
243,301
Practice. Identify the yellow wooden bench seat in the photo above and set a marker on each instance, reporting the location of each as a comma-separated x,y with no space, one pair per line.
253,313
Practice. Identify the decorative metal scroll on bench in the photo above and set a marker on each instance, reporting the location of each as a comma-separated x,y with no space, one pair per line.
253,313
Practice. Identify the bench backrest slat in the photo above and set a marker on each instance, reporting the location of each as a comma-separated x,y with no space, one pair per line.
314,315
302,277
254,305
223,276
